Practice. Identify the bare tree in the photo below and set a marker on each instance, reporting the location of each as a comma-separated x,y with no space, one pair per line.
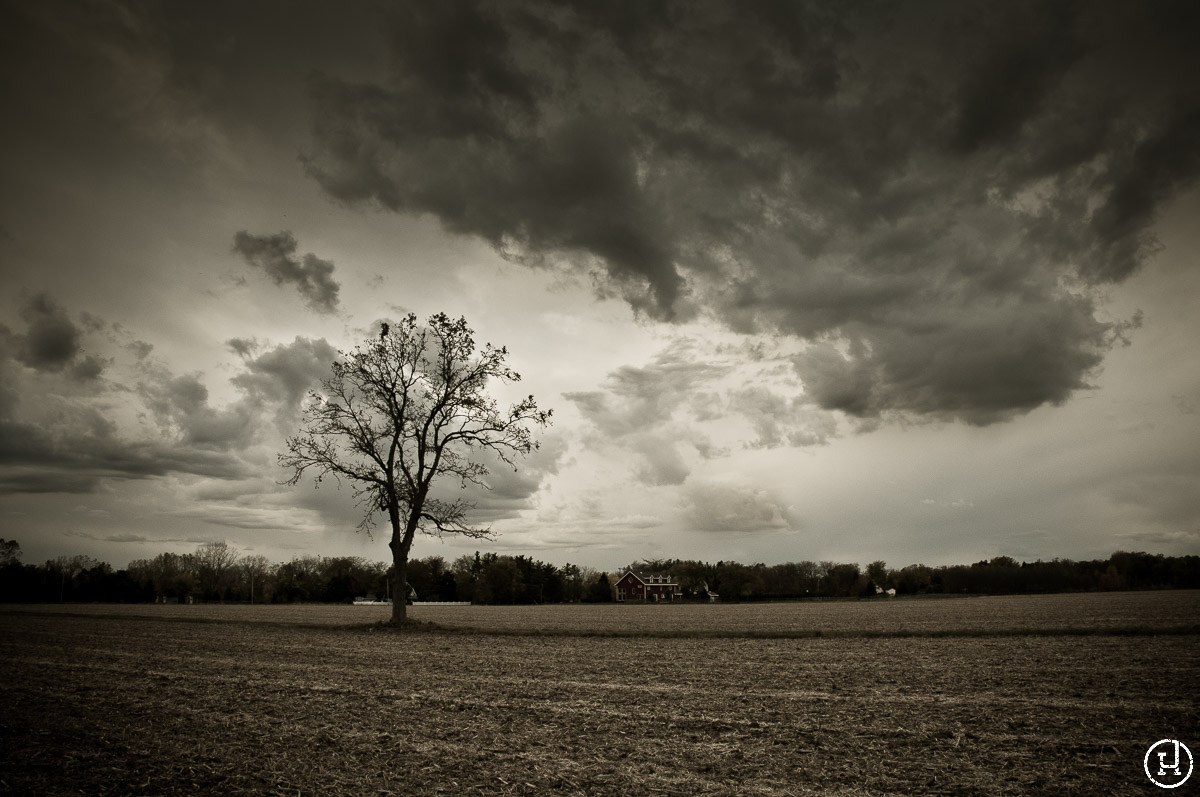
214,561
254,570
877,571
68,567
10,552
402,410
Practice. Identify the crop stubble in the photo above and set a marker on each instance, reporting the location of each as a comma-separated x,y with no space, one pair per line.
120,705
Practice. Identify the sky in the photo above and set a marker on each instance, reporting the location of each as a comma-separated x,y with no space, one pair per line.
821,281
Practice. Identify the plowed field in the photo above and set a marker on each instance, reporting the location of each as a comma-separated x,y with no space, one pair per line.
109,704
1110,612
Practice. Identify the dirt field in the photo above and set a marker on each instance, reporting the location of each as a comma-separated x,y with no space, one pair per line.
1171,610
110,704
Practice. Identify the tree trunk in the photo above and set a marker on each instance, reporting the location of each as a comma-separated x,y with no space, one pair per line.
401,544
400,547
399,586
399,566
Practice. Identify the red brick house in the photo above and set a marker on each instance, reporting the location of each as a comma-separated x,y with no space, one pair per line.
647,587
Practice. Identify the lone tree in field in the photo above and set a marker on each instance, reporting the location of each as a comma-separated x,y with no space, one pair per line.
399,412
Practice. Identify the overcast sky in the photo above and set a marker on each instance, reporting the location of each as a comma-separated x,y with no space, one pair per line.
914,282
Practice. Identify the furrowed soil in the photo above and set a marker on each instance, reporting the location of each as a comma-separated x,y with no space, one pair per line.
109,700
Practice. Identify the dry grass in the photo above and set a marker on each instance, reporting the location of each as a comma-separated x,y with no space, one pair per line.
119,705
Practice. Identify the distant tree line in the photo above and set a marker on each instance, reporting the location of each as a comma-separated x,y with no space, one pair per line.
1001,575
215,572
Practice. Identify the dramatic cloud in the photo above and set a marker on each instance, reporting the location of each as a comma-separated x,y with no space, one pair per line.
642,398
278,378
510,491
778,420
646,411
83,450
52,342
924,220
243,347
72,444
285,374
983,366
181,406
70,440
692,392
936,199
276,255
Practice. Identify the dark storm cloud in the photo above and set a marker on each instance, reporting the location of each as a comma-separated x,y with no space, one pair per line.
89,368
52,339
1026,55
140,348
934,196
1000,360
181,405
243,347
276,255
52,342
83,450
41,481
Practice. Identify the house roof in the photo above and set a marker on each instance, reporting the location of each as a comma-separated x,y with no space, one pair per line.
647,578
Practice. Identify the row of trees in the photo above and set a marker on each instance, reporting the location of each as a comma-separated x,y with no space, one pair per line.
1001,575
496,578
216,572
